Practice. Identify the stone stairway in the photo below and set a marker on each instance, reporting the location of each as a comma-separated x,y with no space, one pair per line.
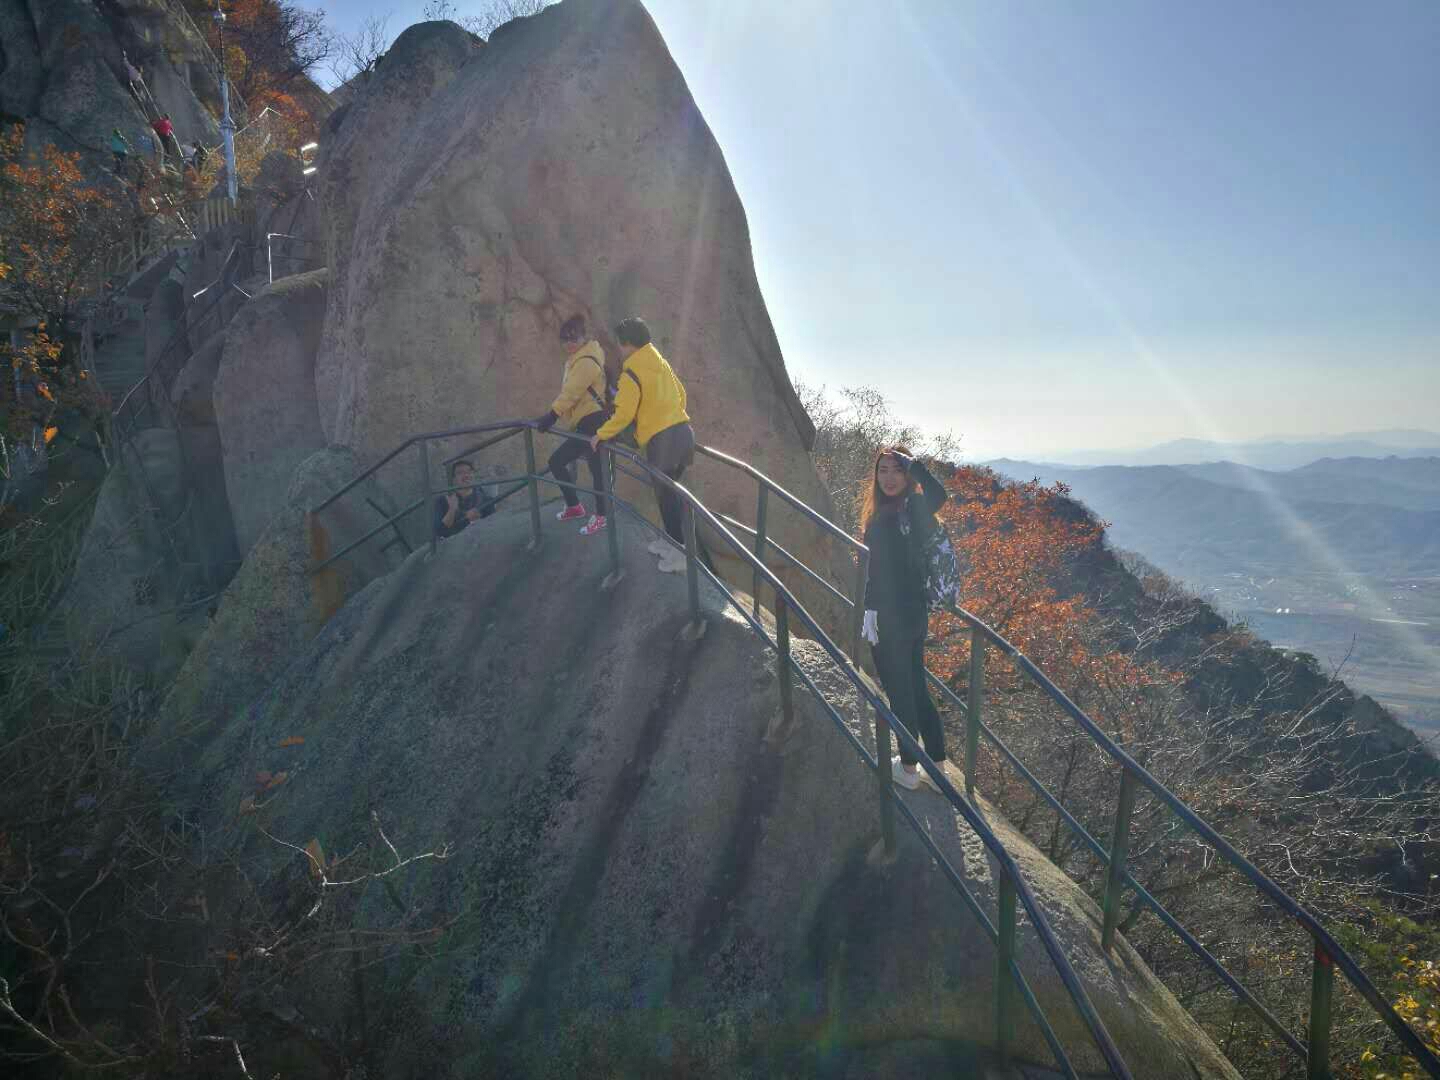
120,355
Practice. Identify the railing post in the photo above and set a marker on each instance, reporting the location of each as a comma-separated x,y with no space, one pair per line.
612,524
534,483
883,781
696,627
1322,989
1004,957
425,486
857,613
782,641
1119,849
762,503
973,707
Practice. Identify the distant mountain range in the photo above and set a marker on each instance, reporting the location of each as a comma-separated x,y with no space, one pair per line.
1274,454
1368,515
1339,558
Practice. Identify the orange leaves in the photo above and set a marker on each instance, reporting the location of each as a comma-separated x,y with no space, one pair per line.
291,740
1021,543
50,433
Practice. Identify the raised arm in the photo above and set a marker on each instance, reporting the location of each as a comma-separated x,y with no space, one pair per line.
931,490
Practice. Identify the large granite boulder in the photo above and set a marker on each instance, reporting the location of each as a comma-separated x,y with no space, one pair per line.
193,390
477,196
274,605
128,600
264,397
647,874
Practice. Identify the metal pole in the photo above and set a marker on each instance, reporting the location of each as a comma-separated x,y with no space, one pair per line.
692,575
425,485
612,521
883,782
1119,848
1322,989
973,707
227,124
534,483
782,640
857,613
1004,979
761,505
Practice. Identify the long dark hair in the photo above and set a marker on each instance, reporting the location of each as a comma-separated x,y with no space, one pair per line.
876,501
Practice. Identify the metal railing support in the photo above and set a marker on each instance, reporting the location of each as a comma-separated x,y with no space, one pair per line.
1004,958
762,503
612,524
1119,850
882,784
426,489
695,629
534,484
1322,991
973,708
782,646
857,613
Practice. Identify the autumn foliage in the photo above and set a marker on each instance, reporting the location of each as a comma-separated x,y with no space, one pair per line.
56,228
1019,544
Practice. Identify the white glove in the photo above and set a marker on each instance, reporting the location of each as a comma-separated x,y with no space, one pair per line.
870,630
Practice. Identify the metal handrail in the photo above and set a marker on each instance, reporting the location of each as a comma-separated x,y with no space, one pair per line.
1328,952
1012,889
270,255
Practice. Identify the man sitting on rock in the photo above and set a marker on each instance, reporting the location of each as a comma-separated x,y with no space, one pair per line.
456,509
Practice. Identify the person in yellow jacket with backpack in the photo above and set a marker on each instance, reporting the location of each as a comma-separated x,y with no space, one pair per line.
581,408
653,398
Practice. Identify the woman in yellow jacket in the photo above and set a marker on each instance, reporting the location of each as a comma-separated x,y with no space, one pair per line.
652,397
581,407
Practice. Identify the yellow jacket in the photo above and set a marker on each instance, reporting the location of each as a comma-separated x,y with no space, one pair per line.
582,391
649,394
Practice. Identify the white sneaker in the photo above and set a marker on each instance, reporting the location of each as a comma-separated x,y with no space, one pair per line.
906,779
658,547
671,562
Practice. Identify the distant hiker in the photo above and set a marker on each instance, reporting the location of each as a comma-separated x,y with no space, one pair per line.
652,397
166,130
580,408
897,517
120,147
132,74
455,510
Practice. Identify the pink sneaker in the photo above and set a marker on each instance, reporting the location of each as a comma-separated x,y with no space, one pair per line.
593,526
570,513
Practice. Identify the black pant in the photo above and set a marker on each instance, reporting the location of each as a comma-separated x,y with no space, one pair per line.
900,661
568,451
671,451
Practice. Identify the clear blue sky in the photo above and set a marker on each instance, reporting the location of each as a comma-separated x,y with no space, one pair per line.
1055,225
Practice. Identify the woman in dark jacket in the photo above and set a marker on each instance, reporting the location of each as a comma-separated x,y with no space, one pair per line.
897,515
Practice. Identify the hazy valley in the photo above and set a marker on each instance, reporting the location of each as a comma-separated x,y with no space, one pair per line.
1339,558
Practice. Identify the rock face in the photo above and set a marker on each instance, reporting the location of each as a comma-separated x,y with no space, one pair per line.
125,601
477,196
61,71
274,605
645,877
265,398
